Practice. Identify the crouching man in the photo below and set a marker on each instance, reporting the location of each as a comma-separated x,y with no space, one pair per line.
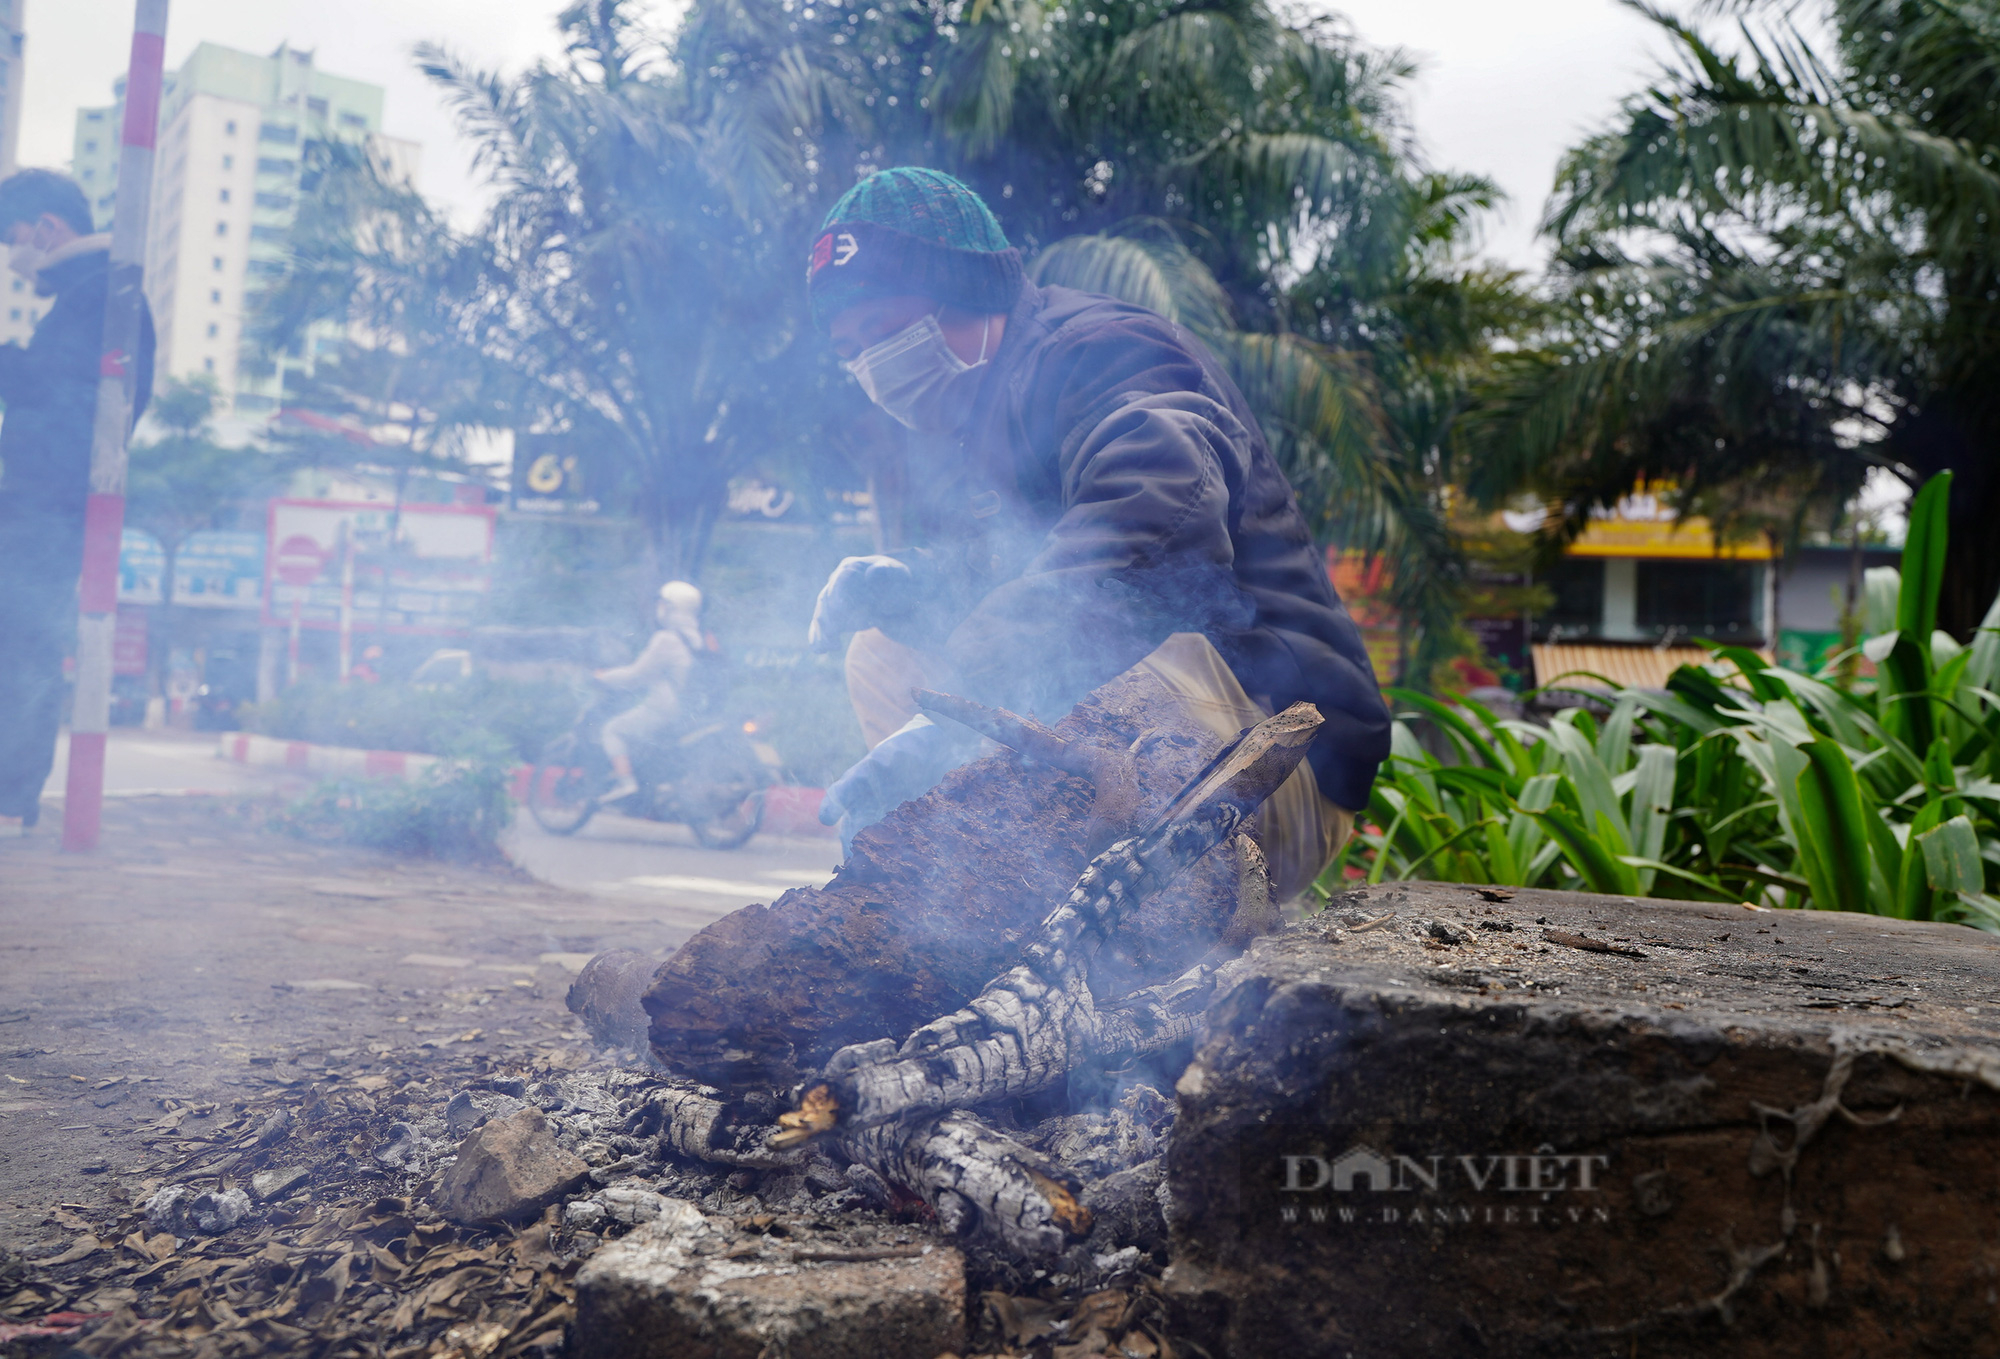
1097,498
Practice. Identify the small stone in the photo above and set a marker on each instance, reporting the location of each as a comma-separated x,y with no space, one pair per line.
404,1146
584,1215
469,1109
275,1129
181,1211
630,1203
683,1284
869,1185
508,1171
214,1213
461,1116
266,1185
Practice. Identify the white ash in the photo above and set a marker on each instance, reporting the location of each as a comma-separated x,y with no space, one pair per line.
184,1211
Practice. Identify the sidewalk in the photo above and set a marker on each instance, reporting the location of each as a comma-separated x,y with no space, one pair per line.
196,960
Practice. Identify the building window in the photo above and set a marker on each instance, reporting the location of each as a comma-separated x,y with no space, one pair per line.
207,366
277,202
316,107
213,330
14,314
18,284
267,165
274,132
1578,585
89,175
1679,601
222,228
229,162
229,127
89,148
267,233
224,196
218,264
215,296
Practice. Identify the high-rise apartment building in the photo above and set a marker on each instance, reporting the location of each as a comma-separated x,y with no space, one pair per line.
13,44
19,307
225,193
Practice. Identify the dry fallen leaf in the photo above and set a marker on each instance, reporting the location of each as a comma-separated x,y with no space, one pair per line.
86,1245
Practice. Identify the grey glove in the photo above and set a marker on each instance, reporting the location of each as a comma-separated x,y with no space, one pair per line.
862,592
906,765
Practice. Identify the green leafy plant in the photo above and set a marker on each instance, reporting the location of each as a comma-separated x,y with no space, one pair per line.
1743,781
425,719
456,810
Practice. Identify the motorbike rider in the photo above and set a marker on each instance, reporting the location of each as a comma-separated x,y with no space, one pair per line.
1097,498
661,673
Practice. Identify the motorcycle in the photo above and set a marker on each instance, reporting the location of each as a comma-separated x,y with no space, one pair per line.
709,778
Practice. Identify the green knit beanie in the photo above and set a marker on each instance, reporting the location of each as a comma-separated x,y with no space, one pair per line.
912,230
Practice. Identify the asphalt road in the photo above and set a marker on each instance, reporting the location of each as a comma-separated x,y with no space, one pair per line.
654,869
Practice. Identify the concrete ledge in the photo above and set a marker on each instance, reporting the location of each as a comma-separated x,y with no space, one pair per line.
685,1286
1555,1124
271,752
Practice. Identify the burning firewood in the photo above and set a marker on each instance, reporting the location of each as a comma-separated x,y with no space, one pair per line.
940,897
1037,1022
1127,798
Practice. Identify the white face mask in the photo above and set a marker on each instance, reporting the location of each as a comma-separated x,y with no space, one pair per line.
27,260
915,376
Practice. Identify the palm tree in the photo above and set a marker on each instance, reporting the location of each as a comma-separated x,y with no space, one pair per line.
637,280
1247,176
1776,272
639,277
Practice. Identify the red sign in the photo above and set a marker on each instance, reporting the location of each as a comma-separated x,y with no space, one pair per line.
299,560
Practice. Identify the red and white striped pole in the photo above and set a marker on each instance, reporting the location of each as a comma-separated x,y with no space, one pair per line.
117,372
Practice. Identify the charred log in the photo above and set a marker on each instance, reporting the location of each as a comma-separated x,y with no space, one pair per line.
979,1181
938,899
1038,1021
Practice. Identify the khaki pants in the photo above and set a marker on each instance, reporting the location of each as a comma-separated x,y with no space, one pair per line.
1299,829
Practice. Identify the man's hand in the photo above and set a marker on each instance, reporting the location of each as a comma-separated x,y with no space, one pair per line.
862,592
906,765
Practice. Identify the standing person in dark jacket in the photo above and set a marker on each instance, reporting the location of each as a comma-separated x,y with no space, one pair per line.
1098,498
50,395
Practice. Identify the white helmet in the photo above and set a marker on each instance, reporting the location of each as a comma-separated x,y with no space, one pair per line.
681,597
680,611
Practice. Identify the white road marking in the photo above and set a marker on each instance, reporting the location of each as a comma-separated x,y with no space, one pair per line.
799,877
713,887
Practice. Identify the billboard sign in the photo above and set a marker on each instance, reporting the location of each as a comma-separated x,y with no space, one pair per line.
220,569
417,569
140,562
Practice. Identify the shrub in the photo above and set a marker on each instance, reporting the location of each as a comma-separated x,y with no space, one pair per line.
456,810
1744,781
429,720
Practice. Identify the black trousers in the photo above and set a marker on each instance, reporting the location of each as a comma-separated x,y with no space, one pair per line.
41,554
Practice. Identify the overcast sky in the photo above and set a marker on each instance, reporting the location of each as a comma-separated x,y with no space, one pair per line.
1507,85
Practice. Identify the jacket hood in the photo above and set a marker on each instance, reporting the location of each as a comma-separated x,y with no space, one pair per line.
73,261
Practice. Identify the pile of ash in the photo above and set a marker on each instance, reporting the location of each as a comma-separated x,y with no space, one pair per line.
449,1214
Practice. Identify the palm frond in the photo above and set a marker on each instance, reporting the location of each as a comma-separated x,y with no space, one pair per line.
1154,271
